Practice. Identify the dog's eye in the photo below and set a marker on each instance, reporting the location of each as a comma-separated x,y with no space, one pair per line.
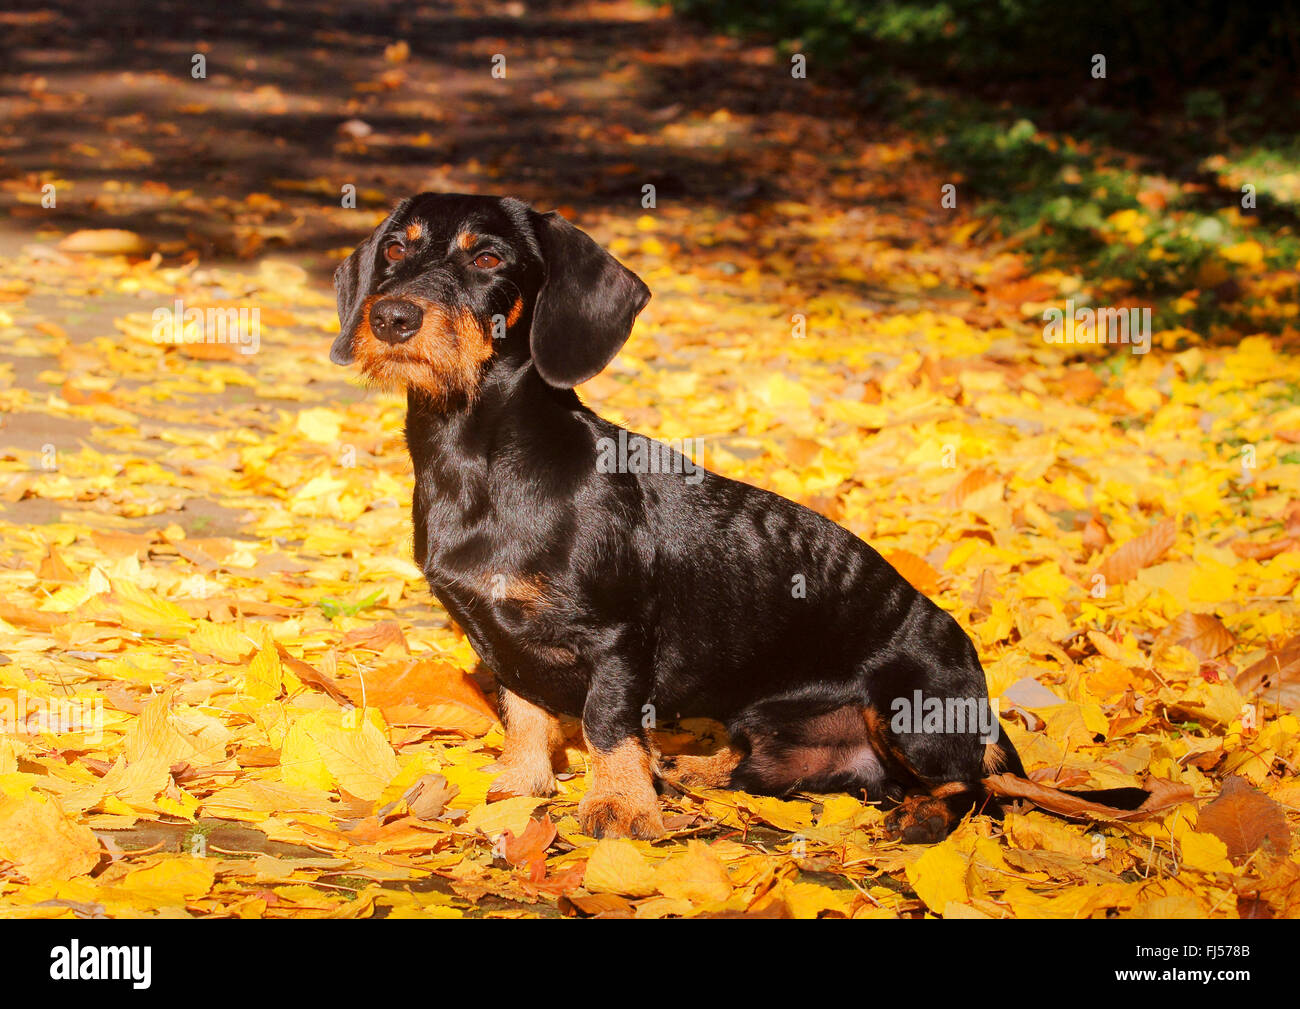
395,252
486,261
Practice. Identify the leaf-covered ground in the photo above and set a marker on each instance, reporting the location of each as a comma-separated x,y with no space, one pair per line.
207,552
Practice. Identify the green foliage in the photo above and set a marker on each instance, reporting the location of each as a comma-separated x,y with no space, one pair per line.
1192,92
332,607
1187,42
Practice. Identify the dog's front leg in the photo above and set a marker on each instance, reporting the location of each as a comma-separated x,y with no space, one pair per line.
532,736
621,801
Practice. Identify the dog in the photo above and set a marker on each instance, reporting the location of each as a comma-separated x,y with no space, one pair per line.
623,597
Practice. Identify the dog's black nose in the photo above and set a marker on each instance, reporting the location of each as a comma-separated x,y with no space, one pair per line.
394,320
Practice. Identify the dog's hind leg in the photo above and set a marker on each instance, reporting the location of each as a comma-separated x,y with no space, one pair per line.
938,754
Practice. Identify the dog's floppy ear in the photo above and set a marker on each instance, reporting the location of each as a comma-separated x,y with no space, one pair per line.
353,281
585,309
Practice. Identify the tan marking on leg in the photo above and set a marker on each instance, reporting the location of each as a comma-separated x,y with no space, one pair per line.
621,801
532,735
712,770
951,788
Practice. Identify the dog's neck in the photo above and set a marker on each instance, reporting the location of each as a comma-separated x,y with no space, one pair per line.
449,441
517,442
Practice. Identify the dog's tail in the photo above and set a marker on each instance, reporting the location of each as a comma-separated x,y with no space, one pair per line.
1000,757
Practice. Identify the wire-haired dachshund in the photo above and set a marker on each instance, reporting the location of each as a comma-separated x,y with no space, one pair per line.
615,592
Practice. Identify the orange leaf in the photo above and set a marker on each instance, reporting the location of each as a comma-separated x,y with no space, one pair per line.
917,570
430,692
1243,818
969,484
53,569
377,637
1201,634
1140,552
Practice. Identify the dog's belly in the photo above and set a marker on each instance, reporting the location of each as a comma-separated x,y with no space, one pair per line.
827,752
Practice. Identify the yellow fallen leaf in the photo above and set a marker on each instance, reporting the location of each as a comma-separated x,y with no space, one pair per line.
495,818
1204,852
697,876
172,881
617,866
265,677
939,876
42,842
320,425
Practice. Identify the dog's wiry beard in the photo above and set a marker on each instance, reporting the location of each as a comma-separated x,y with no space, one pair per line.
444,359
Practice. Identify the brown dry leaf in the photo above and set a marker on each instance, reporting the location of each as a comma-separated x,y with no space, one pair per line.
1060,863
1164,795
1139,553
1276,675
1244,818
1200,633
1264,550
983,592
312,676
1095,536
917,570
599,905
428,797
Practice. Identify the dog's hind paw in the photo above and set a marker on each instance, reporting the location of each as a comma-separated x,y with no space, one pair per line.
921,819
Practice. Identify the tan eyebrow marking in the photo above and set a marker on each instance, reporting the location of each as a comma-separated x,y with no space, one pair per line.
414,231
466,240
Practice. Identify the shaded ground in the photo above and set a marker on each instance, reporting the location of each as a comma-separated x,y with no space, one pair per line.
172,513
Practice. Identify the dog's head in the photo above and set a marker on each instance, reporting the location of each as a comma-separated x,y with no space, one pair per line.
447,282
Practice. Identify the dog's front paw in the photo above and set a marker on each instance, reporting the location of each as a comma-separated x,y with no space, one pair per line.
521,780
616,816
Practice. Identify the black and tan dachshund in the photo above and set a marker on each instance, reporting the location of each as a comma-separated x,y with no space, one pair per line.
621,593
